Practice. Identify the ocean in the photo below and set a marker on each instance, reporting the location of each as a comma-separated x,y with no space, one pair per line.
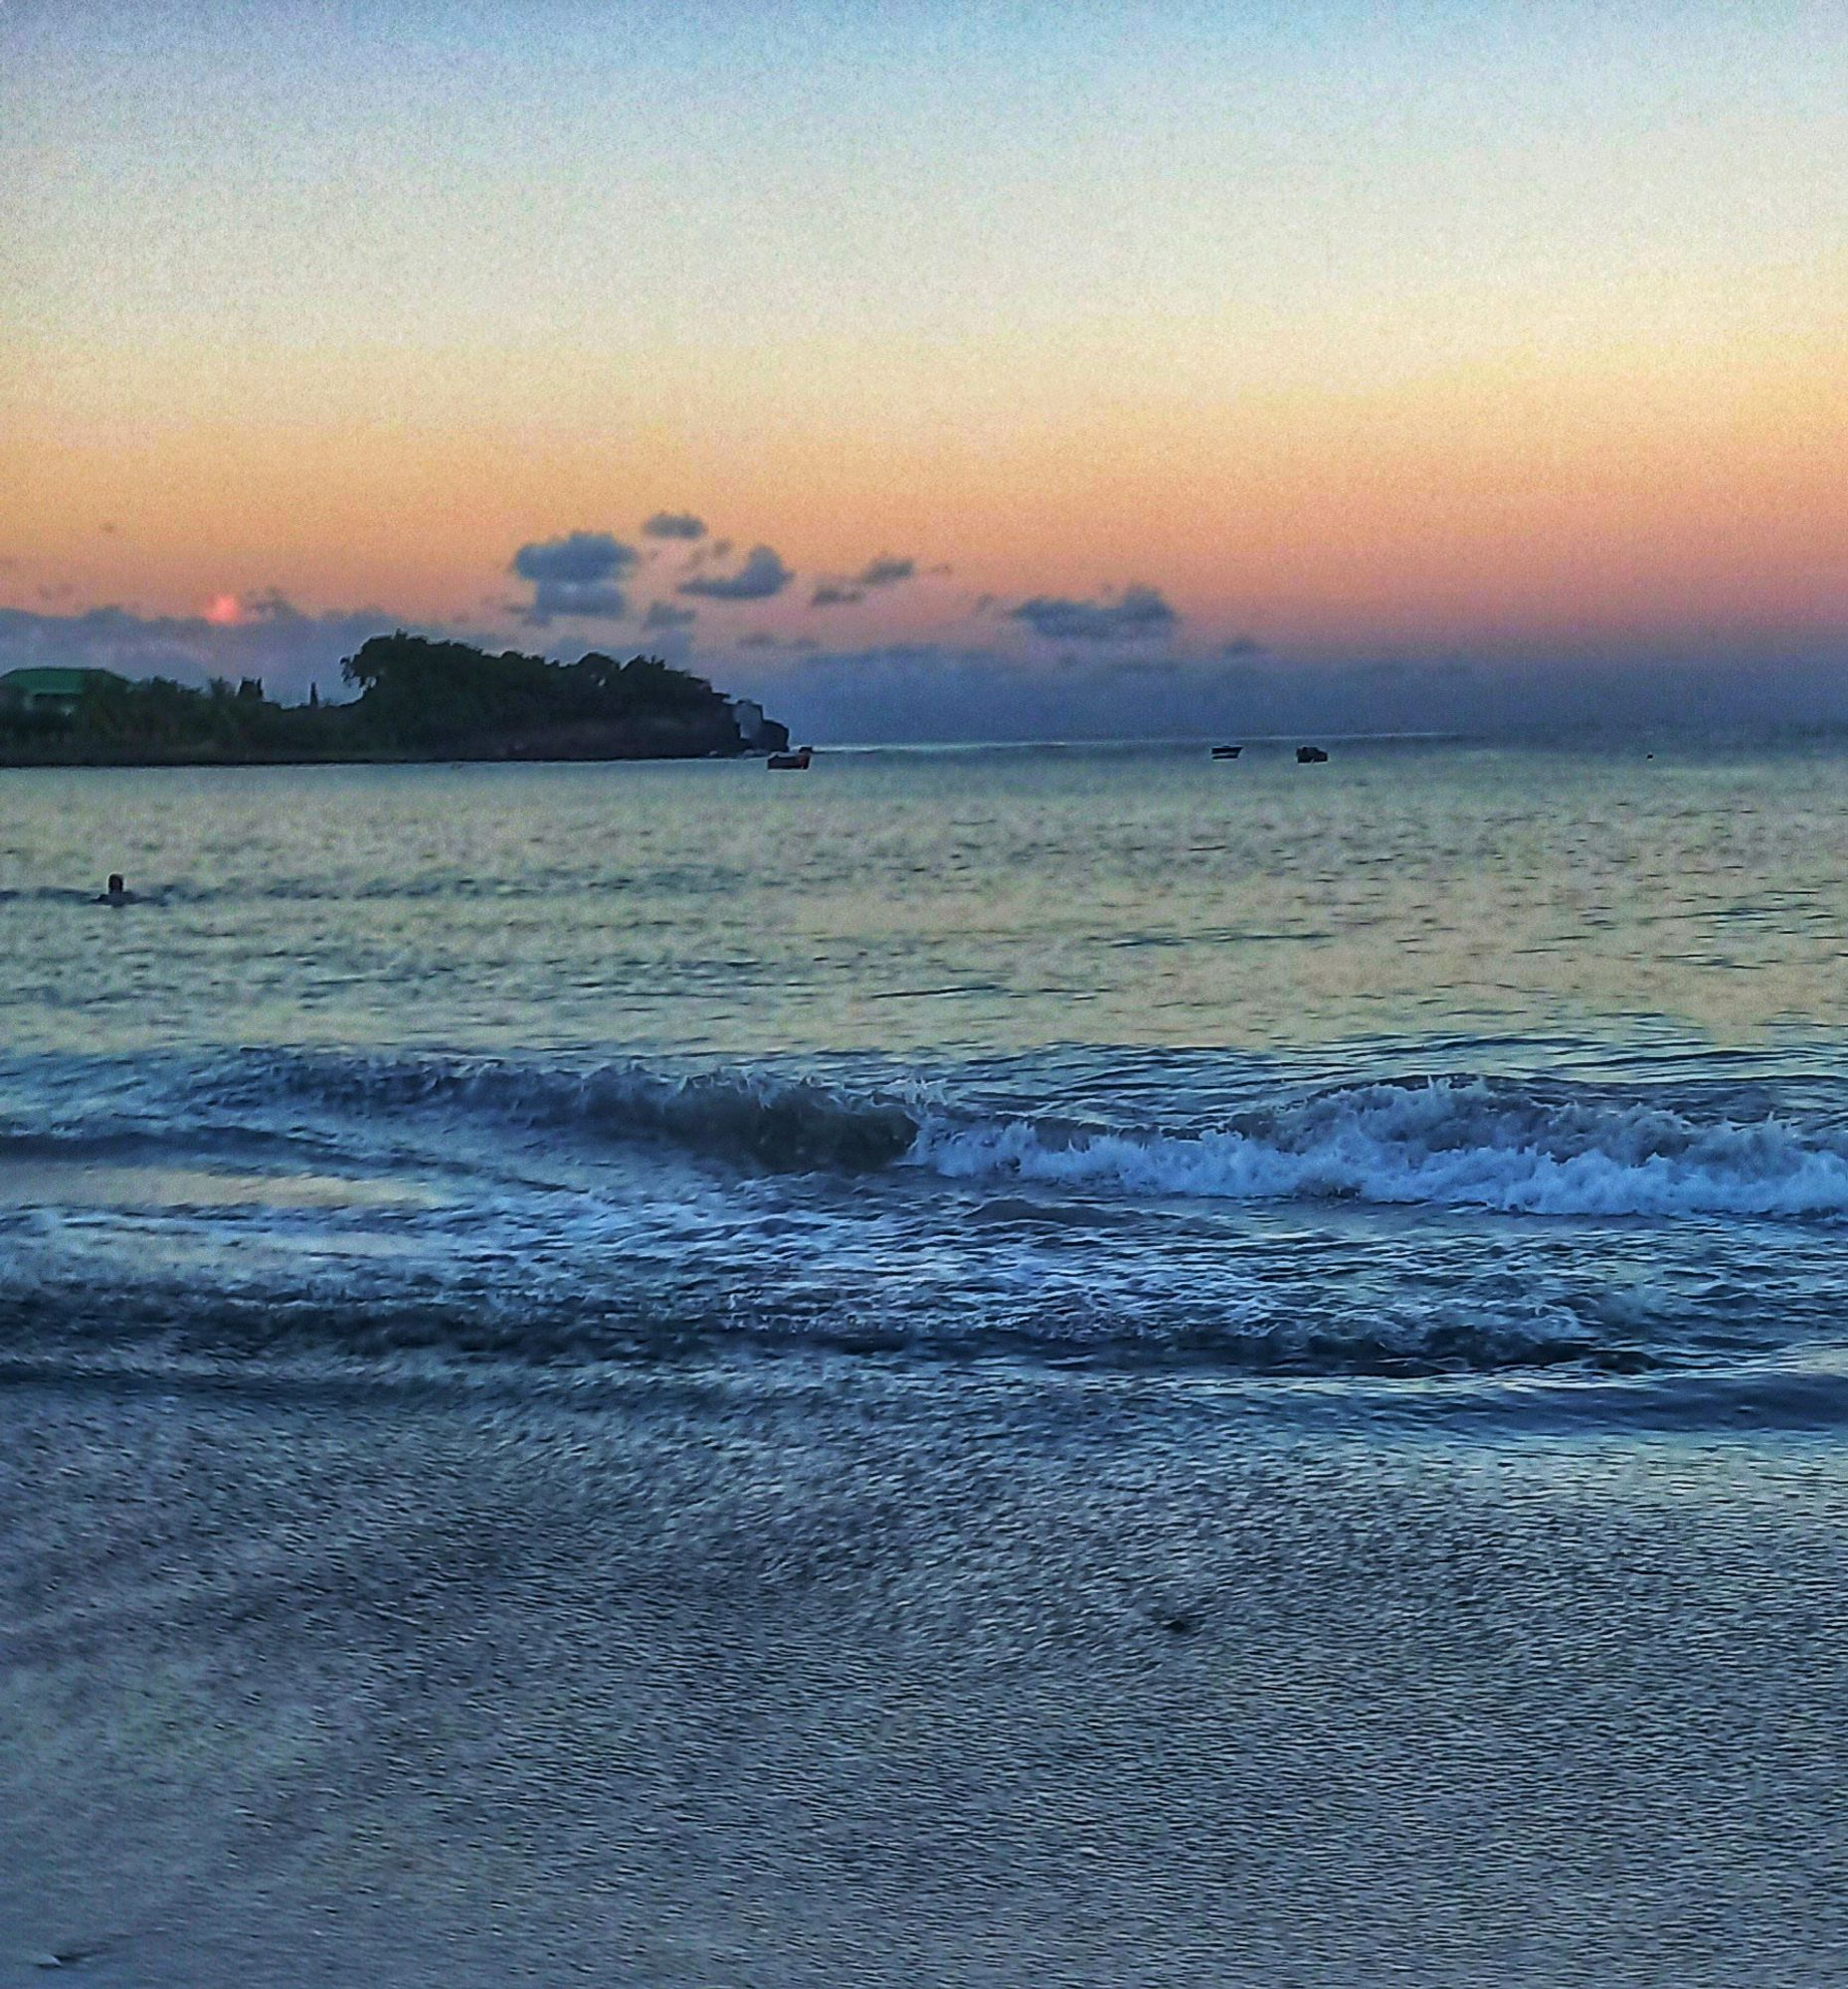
1016,1364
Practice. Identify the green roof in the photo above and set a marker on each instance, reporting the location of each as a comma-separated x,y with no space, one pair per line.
53,683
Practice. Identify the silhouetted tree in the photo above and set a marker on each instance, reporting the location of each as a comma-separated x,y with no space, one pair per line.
416,692
415,697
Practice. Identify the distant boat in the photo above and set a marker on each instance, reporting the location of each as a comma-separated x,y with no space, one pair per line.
796,762
1309,756
1227,752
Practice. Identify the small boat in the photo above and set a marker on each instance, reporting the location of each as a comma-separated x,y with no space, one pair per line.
796,762
1227,752
1310,756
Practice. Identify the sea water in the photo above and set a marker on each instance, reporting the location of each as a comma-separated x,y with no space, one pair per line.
1434,1060
945,1238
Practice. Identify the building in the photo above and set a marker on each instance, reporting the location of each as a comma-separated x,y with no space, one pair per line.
47,691
753,728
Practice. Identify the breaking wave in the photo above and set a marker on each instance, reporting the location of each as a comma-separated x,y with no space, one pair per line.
781,1125
1490,1144
1446,1143
272,1205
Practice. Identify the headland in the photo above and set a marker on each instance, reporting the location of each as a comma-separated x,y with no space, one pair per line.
416,699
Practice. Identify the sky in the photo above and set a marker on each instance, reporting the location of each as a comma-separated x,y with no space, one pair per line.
934,369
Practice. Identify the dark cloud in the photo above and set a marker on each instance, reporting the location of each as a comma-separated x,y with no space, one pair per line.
664,614
578,559
270,605
885,571
1117,668
575,576
1138,611
759,638
674,525
583,599
762,575
1243,645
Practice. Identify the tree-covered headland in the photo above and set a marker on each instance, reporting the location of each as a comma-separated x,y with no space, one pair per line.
416,699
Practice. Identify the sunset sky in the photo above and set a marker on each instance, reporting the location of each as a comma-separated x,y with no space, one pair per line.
1074,349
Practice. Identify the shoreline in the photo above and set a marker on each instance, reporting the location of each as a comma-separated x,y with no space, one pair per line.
12,761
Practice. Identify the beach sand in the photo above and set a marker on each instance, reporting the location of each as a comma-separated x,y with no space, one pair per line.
819,1672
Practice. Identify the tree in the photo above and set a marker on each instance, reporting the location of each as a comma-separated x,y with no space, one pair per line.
417,691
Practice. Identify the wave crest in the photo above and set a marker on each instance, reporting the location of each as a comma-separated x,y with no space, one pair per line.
1445,1141
782,1125
1511,1146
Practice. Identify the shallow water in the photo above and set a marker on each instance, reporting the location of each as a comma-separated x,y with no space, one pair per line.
1071,1366
1433,1059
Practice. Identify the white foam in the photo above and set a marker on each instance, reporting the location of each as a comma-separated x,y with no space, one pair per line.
1463,1144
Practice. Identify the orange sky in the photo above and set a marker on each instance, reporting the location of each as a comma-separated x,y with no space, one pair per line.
1421,331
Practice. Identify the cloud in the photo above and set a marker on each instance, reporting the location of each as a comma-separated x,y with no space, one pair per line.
885,571
576,574
762,575
576,558
1243,645
1104,669
1138,612
674,525
664,614
759,638
552,599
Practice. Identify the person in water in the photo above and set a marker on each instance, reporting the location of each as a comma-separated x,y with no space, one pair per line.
117,892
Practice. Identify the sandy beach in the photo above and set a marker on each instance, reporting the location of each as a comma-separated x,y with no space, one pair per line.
831,1673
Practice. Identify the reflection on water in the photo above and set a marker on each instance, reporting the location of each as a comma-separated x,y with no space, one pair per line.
900,902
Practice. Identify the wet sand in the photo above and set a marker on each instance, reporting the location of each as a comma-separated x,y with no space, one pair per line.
823,1672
